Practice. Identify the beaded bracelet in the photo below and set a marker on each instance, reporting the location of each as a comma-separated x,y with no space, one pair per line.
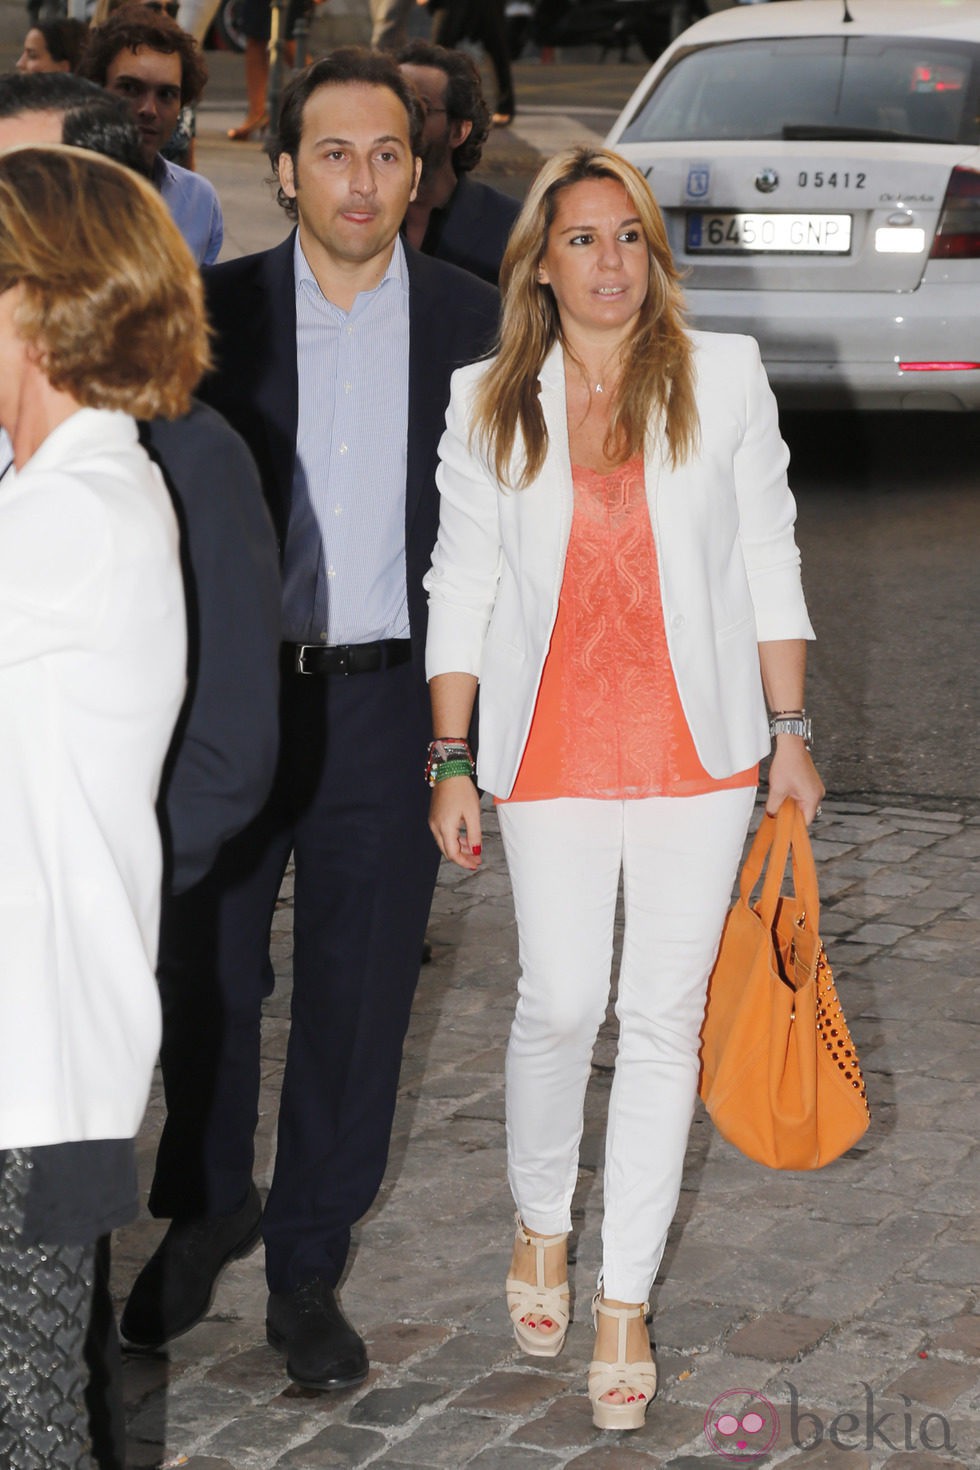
449,757
445,769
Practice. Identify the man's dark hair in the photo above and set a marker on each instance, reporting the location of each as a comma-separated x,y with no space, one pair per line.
90,117
104,124
64,37
135,26
43,91
346,65
464,96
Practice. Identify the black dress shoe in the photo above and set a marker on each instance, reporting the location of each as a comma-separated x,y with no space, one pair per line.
175,1288
322,1348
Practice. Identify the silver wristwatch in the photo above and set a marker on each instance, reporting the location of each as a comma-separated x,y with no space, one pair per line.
792,725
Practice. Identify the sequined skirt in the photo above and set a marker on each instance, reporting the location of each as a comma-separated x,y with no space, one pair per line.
45,1305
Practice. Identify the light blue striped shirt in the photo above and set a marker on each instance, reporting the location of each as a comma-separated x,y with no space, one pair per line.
344,561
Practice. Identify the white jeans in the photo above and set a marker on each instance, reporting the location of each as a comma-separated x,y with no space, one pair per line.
679,857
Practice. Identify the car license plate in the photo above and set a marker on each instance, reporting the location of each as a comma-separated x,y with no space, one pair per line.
790,234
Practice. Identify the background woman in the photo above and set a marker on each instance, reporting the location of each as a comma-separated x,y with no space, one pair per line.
53,45
616,566
101,316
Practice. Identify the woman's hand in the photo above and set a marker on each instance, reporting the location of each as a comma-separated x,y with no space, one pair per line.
454,819
793,774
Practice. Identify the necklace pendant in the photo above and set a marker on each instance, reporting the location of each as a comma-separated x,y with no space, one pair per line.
598,387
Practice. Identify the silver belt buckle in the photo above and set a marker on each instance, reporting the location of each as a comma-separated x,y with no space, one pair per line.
300,654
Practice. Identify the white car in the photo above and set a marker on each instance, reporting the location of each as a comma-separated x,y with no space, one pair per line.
818,164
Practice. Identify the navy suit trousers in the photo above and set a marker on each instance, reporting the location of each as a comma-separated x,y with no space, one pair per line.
350,802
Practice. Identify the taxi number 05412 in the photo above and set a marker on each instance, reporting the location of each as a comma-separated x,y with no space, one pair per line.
835,180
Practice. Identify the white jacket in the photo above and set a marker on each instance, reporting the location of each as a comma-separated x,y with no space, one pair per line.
92,661
729,565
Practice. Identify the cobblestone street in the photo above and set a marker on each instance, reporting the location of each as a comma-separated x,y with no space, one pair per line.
848,1292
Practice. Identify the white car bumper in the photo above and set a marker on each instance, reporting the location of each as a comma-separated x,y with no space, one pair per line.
824,350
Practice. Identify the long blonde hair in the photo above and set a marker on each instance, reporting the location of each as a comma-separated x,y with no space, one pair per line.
657,377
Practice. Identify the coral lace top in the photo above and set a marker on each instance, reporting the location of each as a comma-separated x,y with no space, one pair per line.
608,720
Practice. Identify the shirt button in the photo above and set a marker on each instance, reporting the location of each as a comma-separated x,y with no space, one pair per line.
347,387
331,572
350,331
343,448
338,510
678,620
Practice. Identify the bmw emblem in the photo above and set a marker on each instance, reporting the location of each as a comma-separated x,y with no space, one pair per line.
767,180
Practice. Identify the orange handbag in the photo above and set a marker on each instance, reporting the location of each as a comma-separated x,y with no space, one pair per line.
779,1073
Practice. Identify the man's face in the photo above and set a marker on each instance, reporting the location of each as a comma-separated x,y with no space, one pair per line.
431,84
354,174
149,83
28,128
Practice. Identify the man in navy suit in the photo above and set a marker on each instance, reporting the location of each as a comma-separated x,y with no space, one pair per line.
334,353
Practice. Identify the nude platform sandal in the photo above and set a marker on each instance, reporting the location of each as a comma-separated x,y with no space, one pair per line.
525,1300
637,1382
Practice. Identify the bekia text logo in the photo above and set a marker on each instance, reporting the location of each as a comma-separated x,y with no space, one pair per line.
741,1424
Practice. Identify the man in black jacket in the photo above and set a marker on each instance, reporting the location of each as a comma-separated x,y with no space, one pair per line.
334,353
454,216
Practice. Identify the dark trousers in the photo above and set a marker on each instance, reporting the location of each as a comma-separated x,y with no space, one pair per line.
351,804
479,20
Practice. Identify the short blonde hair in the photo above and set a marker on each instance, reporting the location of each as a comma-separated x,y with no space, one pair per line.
658,376
112,298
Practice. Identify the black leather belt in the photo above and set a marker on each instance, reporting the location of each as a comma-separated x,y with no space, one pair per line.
346,658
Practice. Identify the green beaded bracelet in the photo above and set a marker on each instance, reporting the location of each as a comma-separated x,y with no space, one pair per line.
444,769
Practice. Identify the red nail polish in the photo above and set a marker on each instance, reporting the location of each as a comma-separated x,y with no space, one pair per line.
477,850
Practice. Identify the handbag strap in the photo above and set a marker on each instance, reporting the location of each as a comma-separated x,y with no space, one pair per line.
779,838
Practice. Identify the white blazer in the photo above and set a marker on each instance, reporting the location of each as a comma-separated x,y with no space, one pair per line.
728,561
92,668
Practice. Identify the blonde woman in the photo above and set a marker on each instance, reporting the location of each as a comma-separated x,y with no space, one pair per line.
616,568
101,317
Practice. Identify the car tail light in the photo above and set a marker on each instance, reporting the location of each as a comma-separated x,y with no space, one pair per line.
938,367
958,235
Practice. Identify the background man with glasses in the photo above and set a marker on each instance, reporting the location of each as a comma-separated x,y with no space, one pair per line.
454,217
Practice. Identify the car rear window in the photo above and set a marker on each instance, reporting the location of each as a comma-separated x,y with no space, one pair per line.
816,87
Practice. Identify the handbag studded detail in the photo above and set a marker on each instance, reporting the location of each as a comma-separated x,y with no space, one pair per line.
780,1075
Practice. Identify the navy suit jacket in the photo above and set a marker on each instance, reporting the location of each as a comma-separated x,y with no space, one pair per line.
473,229
252,305
222,757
